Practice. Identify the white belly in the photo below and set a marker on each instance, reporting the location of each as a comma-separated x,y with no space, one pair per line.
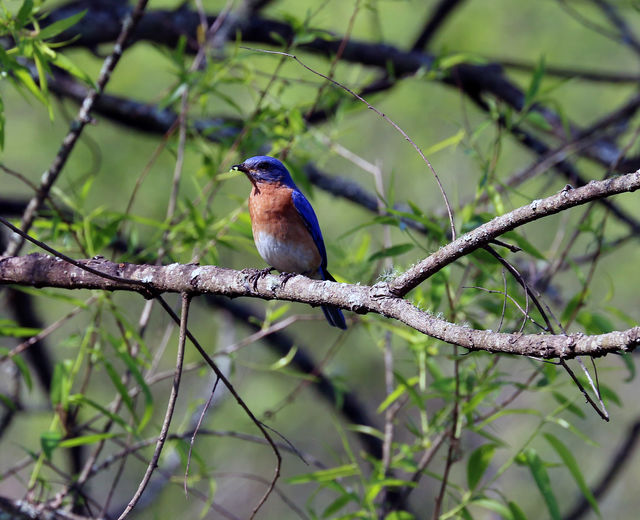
286,256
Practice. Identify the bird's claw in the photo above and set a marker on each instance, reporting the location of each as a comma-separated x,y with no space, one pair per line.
285,277
254,275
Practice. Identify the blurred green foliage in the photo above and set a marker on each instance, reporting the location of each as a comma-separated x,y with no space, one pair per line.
449,409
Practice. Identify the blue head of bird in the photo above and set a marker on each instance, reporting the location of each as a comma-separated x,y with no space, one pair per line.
263,168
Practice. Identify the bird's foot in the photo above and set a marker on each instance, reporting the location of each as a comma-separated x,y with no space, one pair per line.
285,277
254,275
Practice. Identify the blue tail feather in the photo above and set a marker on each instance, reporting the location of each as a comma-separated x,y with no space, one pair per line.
333,314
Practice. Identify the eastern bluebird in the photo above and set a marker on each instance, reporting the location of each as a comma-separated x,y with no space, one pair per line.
285,228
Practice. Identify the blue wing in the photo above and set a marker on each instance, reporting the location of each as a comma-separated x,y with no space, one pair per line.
303,207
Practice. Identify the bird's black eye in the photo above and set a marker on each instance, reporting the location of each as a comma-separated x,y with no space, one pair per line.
264,165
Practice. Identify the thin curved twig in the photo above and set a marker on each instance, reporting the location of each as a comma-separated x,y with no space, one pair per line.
239,400
383,116
184,314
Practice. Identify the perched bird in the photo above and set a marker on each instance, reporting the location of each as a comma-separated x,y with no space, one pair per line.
285,227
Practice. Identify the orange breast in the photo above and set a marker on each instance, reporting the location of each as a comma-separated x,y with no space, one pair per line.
279,232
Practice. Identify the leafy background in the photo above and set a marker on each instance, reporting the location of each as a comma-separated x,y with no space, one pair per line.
105,166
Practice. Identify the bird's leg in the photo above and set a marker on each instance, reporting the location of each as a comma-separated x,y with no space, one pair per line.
256,274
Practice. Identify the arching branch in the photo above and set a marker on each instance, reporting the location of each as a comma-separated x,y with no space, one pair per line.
45,271
383,298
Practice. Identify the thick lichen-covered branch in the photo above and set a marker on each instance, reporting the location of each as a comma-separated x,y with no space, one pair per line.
46,271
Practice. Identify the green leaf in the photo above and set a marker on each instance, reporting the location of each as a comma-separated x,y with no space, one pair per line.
568,404
285,360
367,430
78,399
120,387
24,370
541,477
24,13
621,315
8,402
570,307
8,328
409,385
61,25
566,425
501,413
43,69
571,464
338,504
274,313
465,515
433,229
534,84
399,515
137,375
608,394
478,463
479,397
454,140
538,120
65,63
61,383
594,323
326,475
452,60
496,199
54,295
23,77
375,487
397,392
49,441
516,512
524,244
493,505
629,362
391,251
86,439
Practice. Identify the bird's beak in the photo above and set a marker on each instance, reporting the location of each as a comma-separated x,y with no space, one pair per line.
240,167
